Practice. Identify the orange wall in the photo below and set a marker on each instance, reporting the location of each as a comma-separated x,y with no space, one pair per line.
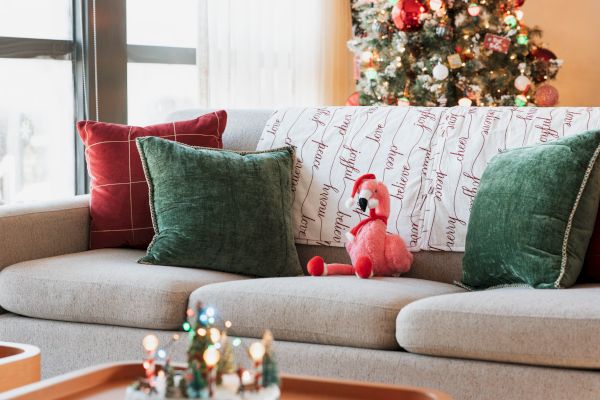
571,31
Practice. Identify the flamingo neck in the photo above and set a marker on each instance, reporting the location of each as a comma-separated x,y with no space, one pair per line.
383,208
372,217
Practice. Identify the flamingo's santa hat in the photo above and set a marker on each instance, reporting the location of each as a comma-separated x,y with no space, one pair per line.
352,201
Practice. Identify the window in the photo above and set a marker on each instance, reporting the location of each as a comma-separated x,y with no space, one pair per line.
37,110
161,51
136,62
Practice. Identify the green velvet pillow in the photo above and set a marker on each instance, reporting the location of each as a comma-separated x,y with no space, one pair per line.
220,209
533,215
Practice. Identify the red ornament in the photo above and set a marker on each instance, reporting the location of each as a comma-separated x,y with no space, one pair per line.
353,100
546,96
541,54
519,3
406,15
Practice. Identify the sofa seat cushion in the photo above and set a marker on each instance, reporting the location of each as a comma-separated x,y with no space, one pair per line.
539,327
105,286
334,310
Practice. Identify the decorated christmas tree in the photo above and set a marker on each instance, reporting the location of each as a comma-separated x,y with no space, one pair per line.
211,371
270,373
449,52
171,389
226,364
199,325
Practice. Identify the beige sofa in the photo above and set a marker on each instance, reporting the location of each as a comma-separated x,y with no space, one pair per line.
88,307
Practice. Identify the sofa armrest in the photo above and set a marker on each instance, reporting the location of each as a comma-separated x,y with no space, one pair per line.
37,230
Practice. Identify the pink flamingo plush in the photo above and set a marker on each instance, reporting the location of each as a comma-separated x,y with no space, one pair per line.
372,250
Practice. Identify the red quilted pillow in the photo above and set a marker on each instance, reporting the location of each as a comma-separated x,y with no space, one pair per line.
119,205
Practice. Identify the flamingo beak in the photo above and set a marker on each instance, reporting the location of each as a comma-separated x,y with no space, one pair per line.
364,198
363,203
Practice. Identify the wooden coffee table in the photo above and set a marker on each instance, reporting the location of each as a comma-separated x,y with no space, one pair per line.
110,381
19,365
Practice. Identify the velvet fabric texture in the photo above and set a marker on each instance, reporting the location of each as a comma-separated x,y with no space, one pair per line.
219,209
533,215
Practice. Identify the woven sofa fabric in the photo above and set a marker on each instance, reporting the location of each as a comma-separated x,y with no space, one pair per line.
441,266
43,229
534,215
244,126
119,192
220,210
462,379
342,311
538,327
105,286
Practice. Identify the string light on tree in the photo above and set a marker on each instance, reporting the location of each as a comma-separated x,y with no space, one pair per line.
522,39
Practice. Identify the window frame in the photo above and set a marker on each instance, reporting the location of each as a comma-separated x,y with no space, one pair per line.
105,55
59,49
99,53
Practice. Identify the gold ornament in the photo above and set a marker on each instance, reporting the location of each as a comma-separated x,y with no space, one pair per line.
454,61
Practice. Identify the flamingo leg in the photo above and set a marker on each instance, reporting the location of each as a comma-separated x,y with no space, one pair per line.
317,267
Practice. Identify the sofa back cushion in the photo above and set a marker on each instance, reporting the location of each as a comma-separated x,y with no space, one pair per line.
243,126
477,133
441,266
